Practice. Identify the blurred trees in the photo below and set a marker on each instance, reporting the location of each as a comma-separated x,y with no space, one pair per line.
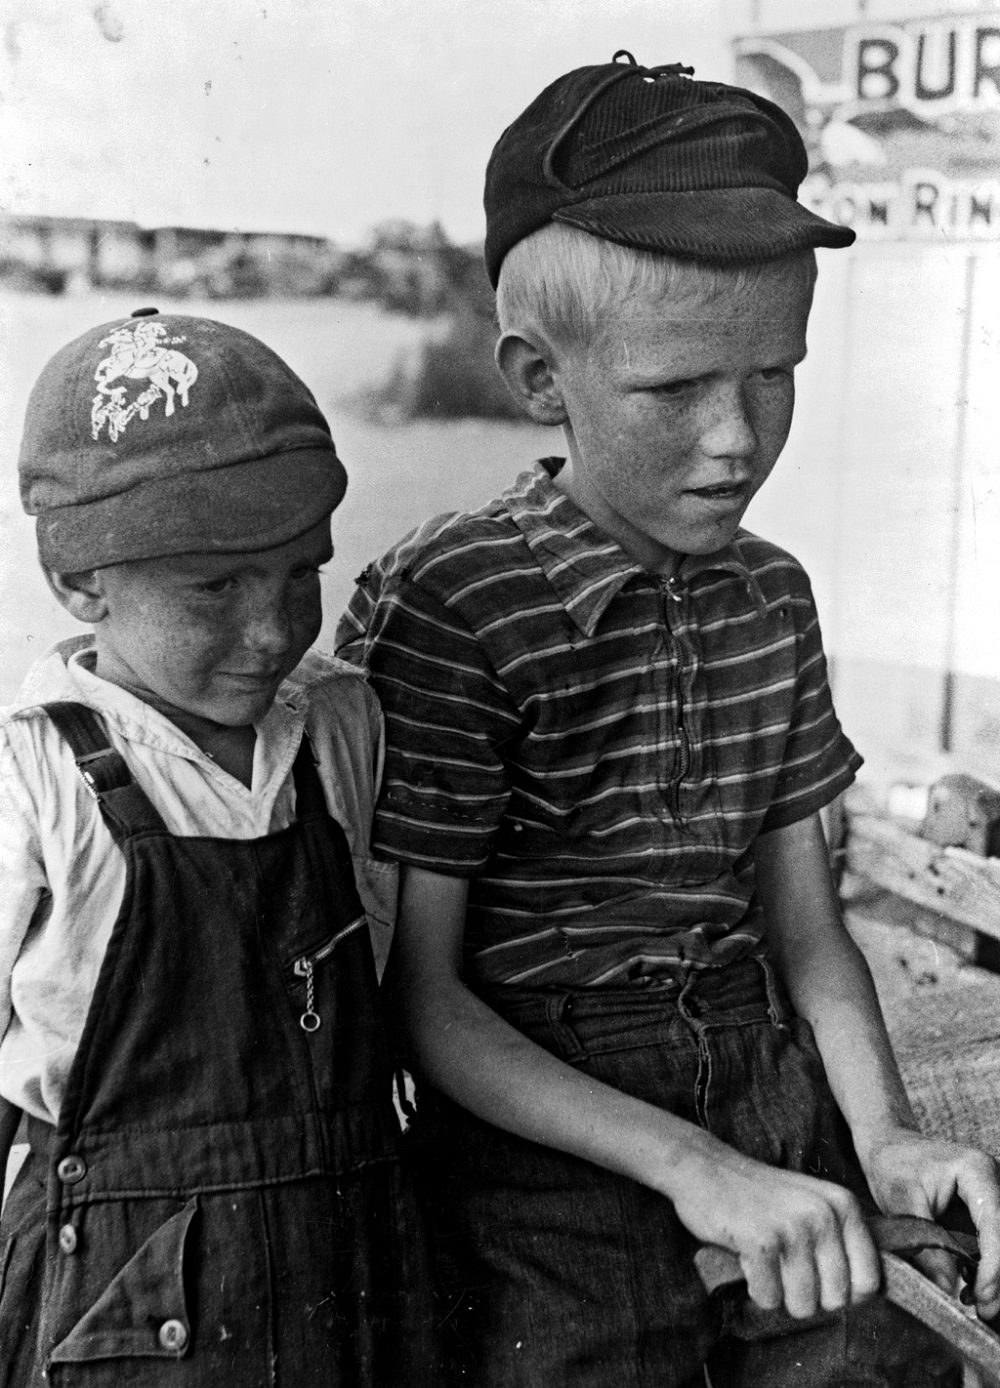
404,267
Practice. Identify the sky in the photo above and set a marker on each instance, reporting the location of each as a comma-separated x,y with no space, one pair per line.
316,116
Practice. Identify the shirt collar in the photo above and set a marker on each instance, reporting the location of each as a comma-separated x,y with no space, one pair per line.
585,567
66,672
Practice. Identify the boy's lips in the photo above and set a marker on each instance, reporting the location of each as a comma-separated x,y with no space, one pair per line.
722,491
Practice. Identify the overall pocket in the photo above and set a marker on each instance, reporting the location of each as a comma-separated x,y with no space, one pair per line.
142,1312
160,1293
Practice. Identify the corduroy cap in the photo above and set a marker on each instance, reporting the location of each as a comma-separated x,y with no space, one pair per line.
651,159
165,434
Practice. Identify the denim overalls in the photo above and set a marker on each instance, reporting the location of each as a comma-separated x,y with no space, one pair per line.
224,1203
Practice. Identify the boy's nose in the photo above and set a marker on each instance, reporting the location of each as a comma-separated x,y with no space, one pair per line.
267,628
729,430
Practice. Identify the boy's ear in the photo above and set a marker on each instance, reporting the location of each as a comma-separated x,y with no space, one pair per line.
82,594
526,368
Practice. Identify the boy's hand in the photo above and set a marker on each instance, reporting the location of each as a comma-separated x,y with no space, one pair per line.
912,1174
803,1244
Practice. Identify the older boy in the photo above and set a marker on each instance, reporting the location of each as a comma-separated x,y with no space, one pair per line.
609,739
187,993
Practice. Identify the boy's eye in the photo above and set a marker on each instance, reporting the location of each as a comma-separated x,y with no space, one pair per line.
216,585
672,388
776,373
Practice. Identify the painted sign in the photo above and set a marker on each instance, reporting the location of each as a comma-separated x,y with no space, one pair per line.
902,121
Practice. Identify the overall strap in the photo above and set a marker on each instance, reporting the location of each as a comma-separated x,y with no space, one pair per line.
309,797
125,807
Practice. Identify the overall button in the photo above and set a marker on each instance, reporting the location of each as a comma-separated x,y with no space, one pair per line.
71,1169
67,1238
173,1336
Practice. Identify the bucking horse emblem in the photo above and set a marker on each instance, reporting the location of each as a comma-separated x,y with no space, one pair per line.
141,352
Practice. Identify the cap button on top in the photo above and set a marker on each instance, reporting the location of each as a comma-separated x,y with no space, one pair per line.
144,313
71,1169
173,1336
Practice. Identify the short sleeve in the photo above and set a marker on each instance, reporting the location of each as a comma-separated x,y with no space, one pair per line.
819,761
448,719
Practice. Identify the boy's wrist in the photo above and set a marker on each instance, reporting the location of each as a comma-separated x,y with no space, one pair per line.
683,1158
872,1139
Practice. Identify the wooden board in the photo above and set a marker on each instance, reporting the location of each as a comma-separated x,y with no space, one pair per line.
950,881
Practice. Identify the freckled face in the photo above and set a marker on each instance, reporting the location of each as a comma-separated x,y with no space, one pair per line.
212,636
679,409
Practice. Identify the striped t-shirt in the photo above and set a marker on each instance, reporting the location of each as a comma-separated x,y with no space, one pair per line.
595,747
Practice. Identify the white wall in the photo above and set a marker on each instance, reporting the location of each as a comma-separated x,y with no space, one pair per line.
890,486
889,491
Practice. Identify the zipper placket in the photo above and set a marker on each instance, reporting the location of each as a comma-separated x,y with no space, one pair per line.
671,590
305,965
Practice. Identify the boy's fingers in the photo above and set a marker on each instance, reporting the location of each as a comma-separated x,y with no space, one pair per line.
862,1257
801,1282
941,1268
986,1217
763,1277
817,1271
834,1270
812,1272
987,1301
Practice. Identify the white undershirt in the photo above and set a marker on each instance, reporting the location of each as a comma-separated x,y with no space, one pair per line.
62,877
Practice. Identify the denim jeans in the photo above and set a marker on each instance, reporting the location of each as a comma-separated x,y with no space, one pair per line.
558,1274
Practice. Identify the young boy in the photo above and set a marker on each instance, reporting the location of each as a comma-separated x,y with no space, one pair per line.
609,738
187,990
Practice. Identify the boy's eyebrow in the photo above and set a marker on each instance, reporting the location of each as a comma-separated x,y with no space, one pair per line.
659,376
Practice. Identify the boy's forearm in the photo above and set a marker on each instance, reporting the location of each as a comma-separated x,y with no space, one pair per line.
837,997
467,1051
830,983
773,1220
454,1041
831,986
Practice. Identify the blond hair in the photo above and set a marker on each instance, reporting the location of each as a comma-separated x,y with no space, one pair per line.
561,282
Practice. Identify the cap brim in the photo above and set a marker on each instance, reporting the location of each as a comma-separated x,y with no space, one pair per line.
251,505
720,226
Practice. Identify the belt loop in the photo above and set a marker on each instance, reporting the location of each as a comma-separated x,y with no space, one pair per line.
778,1008
686,1004
558,1011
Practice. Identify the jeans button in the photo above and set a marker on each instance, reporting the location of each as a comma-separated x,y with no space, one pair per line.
67,1238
